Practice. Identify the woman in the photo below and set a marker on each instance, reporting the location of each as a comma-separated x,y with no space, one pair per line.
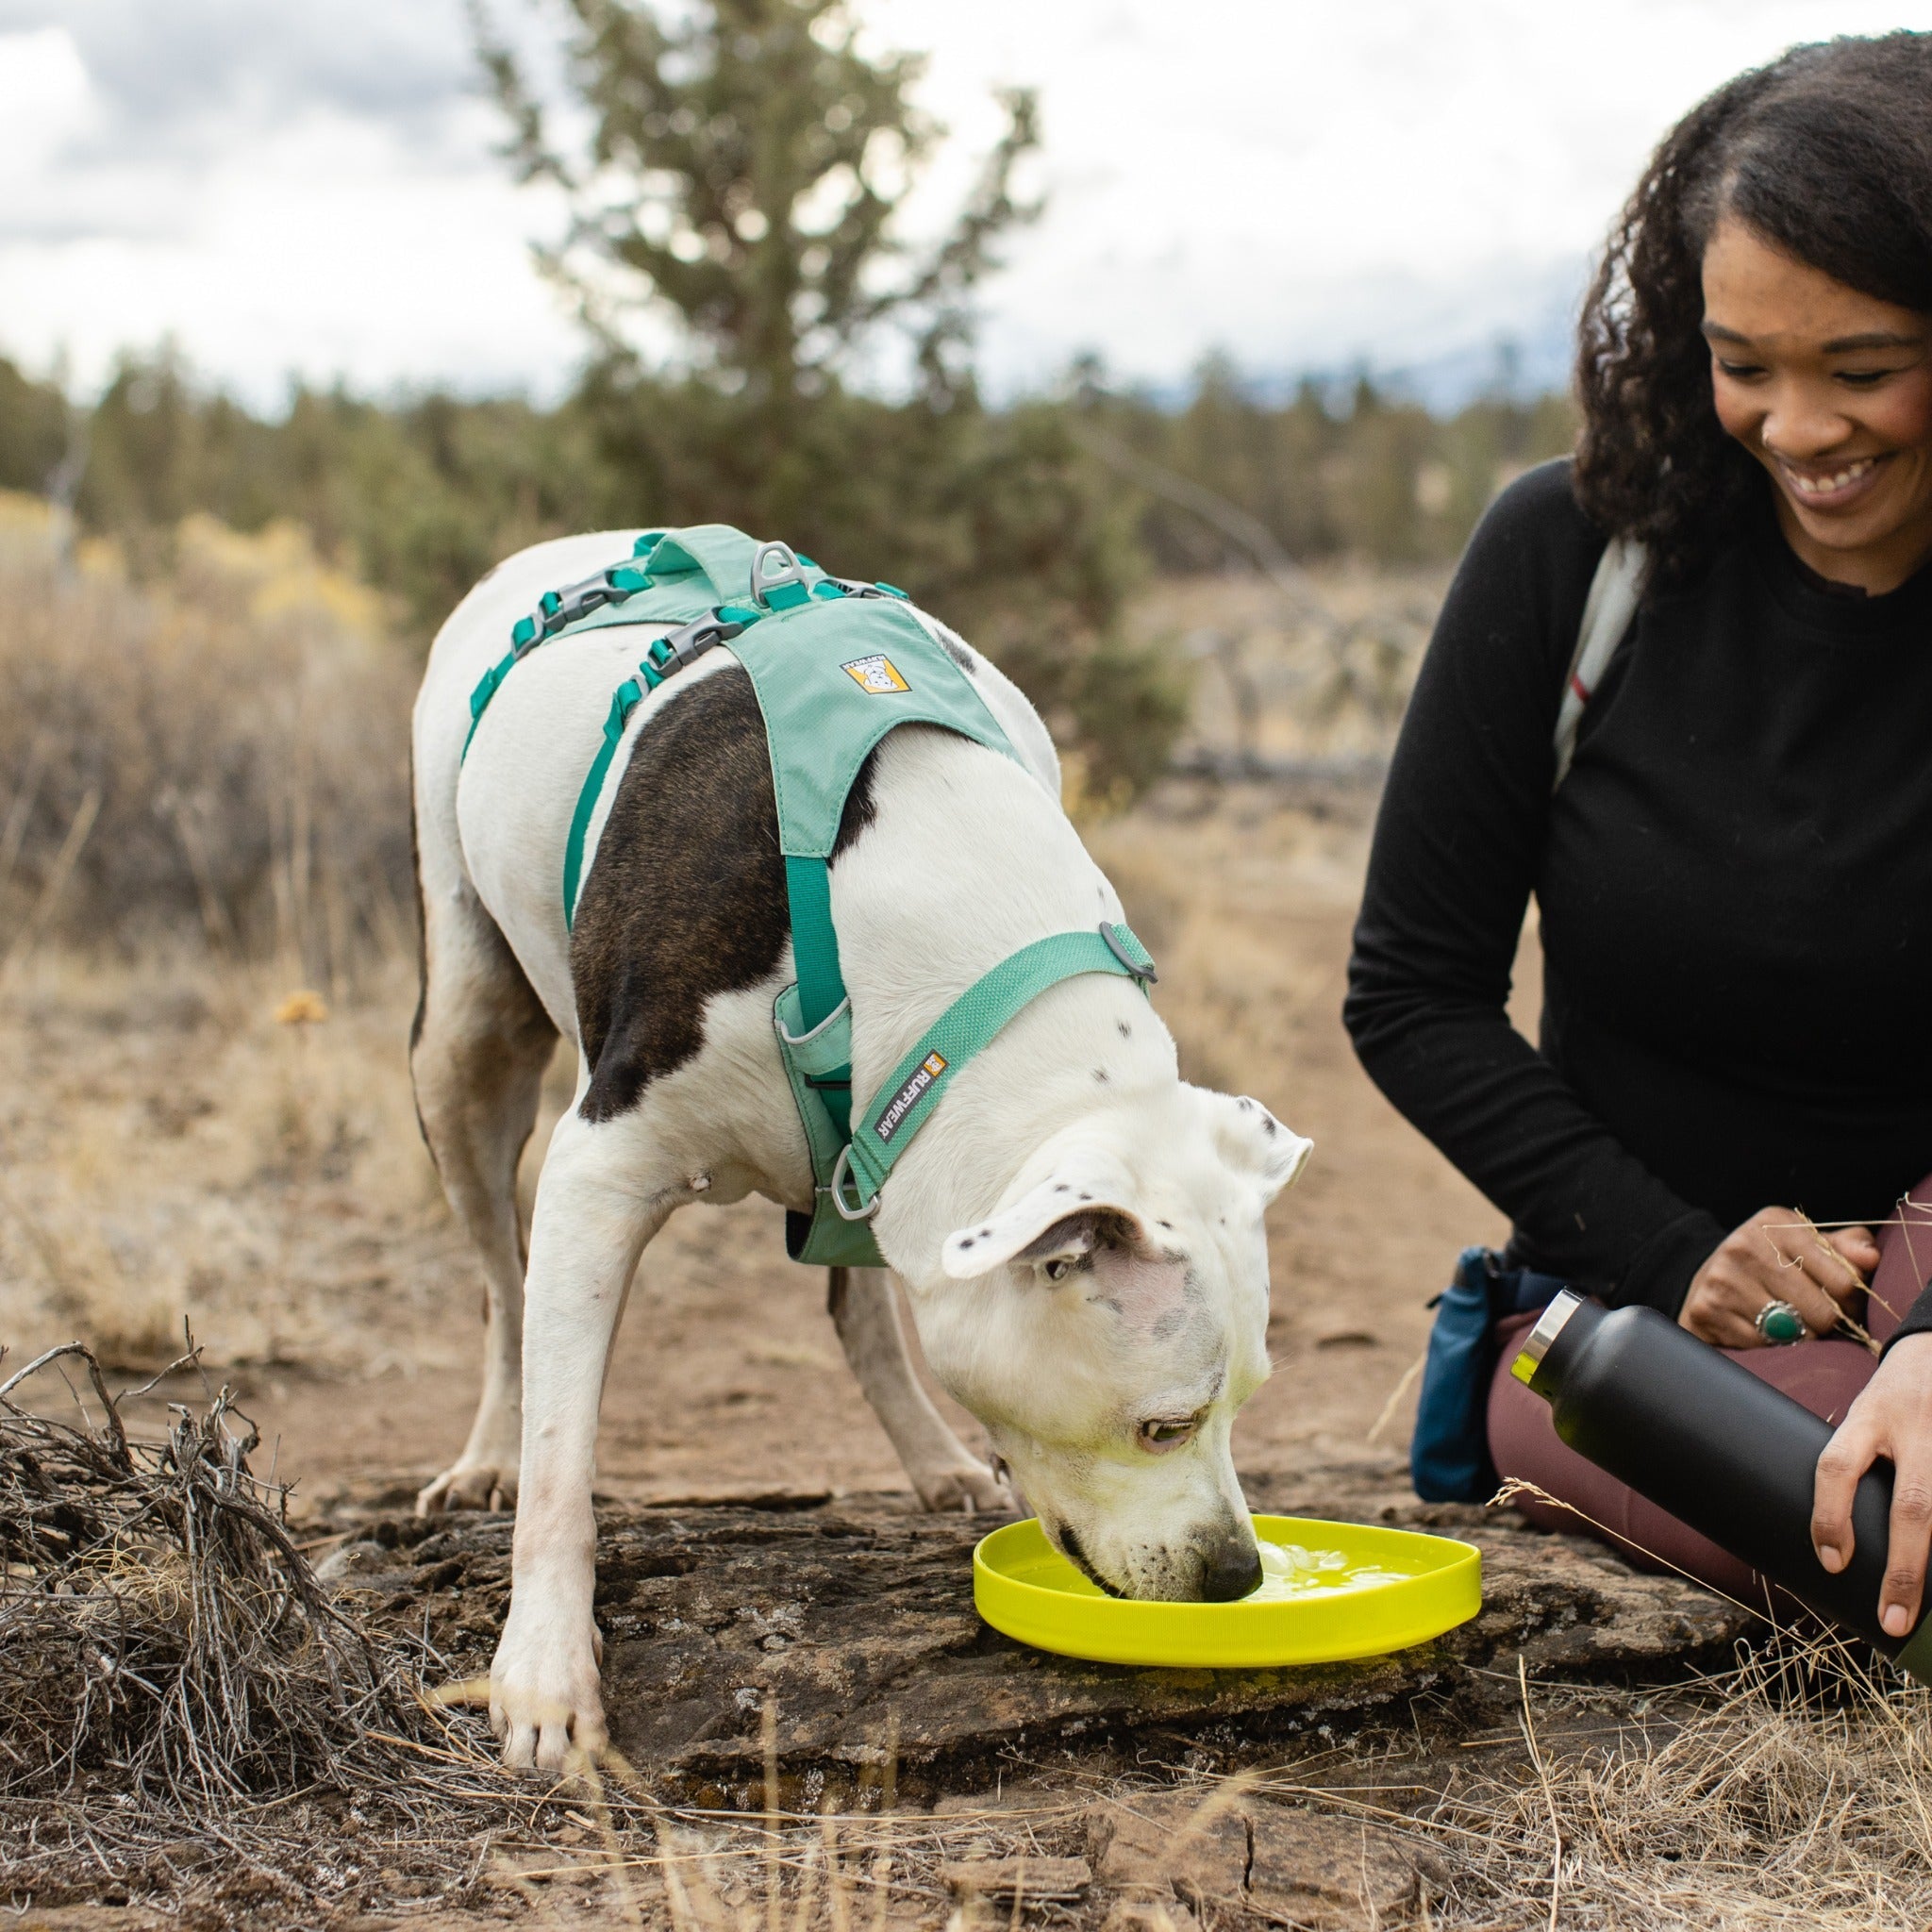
1734,874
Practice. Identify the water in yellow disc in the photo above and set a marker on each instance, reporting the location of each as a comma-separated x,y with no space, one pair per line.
1290,1571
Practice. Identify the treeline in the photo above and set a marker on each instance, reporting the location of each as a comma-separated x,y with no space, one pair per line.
1358,472
1028,526
255,791
421,496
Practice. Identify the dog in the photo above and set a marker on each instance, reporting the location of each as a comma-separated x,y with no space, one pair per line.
1078,1230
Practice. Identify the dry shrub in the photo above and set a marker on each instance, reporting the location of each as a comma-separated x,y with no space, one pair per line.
223,751
180,1690
1319,670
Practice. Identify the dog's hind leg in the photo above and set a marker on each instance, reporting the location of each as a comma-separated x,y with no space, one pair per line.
864,1307
477,1057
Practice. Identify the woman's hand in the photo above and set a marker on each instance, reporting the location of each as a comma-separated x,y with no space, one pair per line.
1893,1417
1775,1257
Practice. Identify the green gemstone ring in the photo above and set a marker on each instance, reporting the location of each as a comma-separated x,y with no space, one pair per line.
1780,1322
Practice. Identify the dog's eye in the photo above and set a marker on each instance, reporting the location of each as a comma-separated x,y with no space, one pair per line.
1059,1267
1167,1432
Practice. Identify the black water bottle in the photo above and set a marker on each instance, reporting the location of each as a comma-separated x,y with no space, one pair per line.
1704,1438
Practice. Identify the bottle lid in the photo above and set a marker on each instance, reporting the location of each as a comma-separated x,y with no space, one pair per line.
1536,1344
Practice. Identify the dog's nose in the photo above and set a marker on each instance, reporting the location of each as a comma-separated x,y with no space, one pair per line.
1232,1572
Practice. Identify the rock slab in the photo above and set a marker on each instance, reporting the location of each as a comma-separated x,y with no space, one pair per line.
1208,1852
856,1620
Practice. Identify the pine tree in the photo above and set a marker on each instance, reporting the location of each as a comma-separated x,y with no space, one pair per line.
743,164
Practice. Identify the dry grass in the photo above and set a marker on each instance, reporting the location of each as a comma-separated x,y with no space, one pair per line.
1789,1794
170,1150
196,1720
1795,1795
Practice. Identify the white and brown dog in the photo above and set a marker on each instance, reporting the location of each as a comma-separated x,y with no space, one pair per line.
1078,1230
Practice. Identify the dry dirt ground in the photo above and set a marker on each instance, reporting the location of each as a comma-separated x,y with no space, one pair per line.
170,1151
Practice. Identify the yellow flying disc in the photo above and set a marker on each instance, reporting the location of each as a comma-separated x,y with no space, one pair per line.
1330,1590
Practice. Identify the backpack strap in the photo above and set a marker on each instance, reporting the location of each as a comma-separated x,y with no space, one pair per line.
1606,614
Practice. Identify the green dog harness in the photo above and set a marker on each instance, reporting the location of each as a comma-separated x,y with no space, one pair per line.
836,666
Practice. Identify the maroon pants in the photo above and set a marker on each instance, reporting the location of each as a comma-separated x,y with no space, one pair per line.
1824,1375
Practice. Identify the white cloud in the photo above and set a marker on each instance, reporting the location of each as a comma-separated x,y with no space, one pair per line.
335,251
1304,181
44,102
291,187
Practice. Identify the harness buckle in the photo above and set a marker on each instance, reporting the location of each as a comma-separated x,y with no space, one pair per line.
842,1173
556,610
1141,970
677,648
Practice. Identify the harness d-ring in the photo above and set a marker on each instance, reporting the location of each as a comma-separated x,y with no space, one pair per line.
782,588
841,1172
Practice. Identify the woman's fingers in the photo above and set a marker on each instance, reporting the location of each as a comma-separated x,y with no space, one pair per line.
1911,1537
1811,1297
1720,1307
1858,1246
1763,1260
1786,1262
1840,1260
1846,1458
1893,1417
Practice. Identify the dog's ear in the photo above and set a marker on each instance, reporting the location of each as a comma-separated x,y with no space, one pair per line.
1252,1142
1079,1207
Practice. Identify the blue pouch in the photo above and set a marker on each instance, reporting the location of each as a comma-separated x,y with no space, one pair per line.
1449,1453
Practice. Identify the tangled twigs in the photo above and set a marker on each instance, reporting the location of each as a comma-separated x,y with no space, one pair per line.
181,1692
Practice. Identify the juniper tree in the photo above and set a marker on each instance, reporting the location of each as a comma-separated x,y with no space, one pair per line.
741,165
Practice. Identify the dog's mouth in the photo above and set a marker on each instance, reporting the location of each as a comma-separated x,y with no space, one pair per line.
1069,1548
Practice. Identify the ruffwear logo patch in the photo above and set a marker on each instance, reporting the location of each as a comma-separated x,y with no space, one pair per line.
877,677
909,1096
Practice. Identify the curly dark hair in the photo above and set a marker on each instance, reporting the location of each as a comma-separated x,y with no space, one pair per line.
1827,154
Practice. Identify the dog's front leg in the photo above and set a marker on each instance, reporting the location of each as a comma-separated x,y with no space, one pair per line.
865,1310
601,1198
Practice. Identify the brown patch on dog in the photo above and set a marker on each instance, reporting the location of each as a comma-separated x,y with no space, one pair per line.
686,897
860,809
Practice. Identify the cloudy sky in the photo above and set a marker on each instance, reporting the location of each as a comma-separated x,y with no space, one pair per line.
309,185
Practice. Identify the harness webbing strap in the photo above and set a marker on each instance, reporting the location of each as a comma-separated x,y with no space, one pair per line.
673,576
625,700
815,963
814,944
904,1103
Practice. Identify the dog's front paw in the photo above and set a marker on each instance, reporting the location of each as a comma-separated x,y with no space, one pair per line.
962,1488
544,1704
470,1486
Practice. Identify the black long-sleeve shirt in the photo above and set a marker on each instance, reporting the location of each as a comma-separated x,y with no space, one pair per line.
1735,883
